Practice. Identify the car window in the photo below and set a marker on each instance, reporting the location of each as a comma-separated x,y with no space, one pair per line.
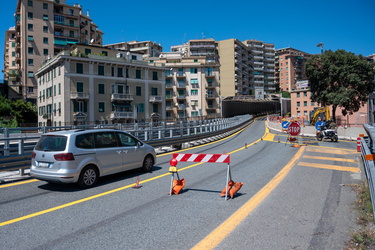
85,141
127,140
51,143
105,140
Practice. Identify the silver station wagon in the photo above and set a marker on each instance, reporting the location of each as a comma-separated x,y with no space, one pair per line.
82,156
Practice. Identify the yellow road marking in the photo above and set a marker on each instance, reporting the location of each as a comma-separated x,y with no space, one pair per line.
332,167
329,150
329,158
18,183
216,236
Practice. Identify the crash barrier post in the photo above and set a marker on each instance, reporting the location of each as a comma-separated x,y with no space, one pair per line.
359,142
231,187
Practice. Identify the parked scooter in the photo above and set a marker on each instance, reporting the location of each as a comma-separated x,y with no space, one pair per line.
325,133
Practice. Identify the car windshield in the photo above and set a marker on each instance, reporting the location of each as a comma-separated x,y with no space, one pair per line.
51,143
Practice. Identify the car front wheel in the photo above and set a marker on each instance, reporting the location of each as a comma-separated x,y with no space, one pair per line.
148,163
88,177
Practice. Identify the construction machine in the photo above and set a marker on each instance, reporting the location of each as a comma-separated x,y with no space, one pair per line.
322,112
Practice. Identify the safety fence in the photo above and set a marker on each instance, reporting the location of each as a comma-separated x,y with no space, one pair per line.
368,157
16,147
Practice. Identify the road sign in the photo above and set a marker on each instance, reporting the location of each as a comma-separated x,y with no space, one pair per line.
294,129
318,124
285,124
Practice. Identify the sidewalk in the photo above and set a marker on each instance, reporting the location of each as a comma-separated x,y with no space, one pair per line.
12,176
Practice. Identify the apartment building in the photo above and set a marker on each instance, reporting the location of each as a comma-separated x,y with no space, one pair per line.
264,65
146,48
192,80
290,68
236,68
95,85
43,29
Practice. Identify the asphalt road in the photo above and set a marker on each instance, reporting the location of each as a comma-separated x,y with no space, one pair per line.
292,198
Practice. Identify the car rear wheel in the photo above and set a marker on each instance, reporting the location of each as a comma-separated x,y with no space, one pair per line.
148,163
88,177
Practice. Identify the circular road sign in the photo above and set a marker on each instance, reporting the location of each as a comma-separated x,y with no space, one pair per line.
294,129
318,124
285,124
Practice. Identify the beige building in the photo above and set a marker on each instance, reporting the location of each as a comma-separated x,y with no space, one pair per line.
43,29
96,85
290,68
192,81
236,69
146,48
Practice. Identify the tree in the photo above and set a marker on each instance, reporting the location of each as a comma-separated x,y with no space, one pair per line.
16,112
341,79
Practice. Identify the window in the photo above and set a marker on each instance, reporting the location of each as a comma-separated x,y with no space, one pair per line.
127,72
304,93
30,38
298,104
101,88
59,88
154,91
154,75
168,94
79,106
30,62
30,74
194,113
80,87
30,3
31,50
45,17
79,68
193,70
194,81
134,57
194,102
195,60
45,40
45,6
101,70
101,107
30,26
45,29
312,103
13,45
138,90
155,108
45,52
87,51
105,53
71,33
140,107
138,74
85,141
181,93
112,71
71,23
305,103
30,15
54,90
194,92
120,72
298,94
30,89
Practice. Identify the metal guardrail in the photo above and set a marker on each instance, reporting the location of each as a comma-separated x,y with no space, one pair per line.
367,149
17,149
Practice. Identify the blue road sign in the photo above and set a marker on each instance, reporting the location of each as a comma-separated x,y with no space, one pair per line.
318,124
285,124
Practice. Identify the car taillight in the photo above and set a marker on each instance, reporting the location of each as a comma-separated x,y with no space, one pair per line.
64,157
33,154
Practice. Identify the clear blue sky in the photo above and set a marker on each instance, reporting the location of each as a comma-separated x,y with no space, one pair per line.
301,24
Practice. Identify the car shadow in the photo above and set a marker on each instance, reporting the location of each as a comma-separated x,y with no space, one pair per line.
105,180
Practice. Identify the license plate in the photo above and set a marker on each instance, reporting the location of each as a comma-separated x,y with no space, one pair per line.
43,164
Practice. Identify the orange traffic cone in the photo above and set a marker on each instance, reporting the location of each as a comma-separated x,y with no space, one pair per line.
137,183
178,185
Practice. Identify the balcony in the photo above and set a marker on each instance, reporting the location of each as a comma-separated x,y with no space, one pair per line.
121,97
156,99
181,85
210,74
121,115
180,75
211,96
181,107
181,97
168,97
79,96
213,106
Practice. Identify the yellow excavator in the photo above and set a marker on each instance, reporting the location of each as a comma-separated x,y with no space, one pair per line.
317,113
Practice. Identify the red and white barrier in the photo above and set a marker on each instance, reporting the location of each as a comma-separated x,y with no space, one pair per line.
213,158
